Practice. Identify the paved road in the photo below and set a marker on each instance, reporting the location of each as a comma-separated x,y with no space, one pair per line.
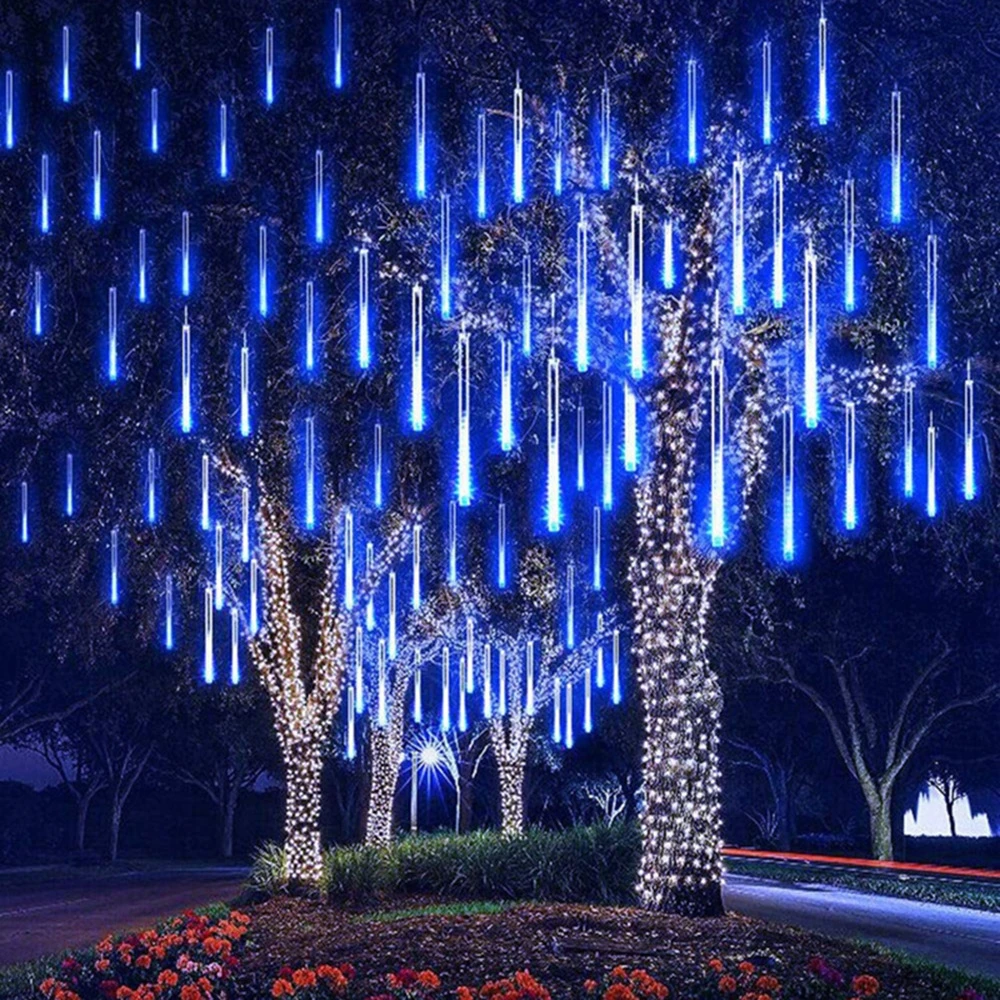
53,914
964,939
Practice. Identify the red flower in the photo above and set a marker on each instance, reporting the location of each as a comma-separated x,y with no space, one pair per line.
727,984
715,965
282,988
865,986
285,972
589,986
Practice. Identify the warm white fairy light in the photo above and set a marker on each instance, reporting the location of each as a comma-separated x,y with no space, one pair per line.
672,580
305,691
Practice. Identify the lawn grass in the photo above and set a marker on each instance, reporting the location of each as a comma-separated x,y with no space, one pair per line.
923,888
472,908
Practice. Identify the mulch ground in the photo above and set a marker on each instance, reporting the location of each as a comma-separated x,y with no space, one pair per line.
560,944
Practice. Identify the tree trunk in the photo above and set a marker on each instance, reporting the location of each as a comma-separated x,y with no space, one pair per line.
303,773
384,754
783,810
949,804
228,810
465,807
681,866
880,822
116,821
510,749
82,811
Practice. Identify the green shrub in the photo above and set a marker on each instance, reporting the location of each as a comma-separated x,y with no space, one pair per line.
594,864
267,870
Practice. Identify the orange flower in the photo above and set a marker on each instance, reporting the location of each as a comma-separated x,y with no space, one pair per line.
205,985
618,991
104,946
747,968
715,965
865,986
619,972
167,978
47,985
589,985
143,962
464,993
333,977
304,978
768,984
102,965
428,980
190,992
282,988
727,984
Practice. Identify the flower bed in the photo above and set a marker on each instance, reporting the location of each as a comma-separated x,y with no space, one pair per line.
197,958
190,958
